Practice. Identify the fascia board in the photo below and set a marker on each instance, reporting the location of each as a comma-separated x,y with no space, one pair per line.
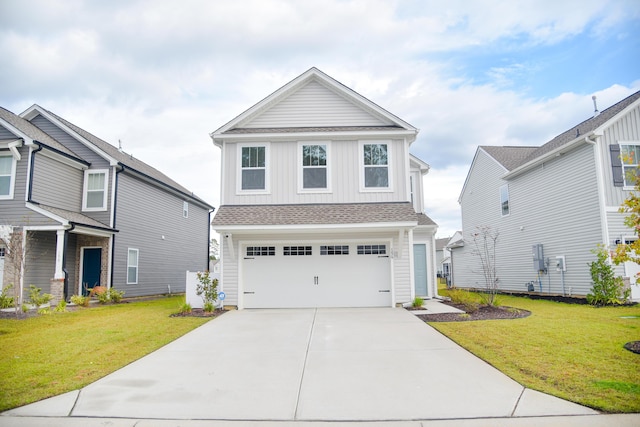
315,228
313,135
36,109
77,164
14,130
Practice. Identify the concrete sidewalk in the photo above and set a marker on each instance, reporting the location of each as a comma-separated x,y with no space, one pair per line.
351,365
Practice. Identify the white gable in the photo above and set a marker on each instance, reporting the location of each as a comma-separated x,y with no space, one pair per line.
314,105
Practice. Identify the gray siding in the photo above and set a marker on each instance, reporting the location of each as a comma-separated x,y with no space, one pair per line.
555,205
41,258
97,162
314,105
345,176
57,184
6,134
145,214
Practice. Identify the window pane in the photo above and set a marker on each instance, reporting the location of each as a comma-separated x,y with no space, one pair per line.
246,156
504,199
95,199
314,178
5,185
314,155
376,177
5,165
630,154
375,154
253,179
96,181
132,275
133,258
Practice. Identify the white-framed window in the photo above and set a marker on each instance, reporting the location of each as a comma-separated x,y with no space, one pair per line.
7,175
254,168
185,209
94,197
630,156
375,166
132,266
297,250
504,199
314,174
261,251
334,250
372,249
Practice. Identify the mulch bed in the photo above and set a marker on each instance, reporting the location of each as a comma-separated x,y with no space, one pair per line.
633,346
483,313
199,312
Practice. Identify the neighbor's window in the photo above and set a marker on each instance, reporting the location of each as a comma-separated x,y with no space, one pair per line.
376,165
132,266
95,190
504,199
7,176
314,167
253,167
185,209
630,155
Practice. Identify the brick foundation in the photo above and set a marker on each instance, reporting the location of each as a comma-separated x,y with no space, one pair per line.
57,290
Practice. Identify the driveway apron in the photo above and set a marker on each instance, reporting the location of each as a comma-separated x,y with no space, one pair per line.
313,364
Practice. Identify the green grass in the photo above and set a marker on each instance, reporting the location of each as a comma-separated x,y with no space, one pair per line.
571,351
48,355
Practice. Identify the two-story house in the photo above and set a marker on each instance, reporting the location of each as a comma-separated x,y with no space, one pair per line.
321,202
552,205
88,214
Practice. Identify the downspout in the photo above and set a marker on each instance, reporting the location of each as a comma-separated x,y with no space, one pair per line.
601,189
64,262
33,166
114,205
208,238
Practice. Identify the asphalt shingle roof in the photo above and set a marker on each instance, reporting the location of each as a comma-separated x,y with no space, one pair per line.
310,214
312,129
75,217
509,157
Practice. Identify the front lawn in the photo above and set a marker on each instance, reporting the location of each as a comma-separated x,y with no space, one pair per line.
48,355
571,351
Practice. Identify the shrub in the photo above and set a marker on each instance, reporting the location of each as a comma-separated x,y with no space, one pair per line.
115,295
80,300
607,287
6,301
36,297
465,298
209,307
417,302
61,307
207,288
185,308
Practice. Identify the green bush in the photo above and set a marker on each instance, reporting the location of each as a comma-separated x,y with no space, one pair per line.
6,301
36,297
185,308
417,302
80,300
61,307
207,288
607,288
115,295
467,299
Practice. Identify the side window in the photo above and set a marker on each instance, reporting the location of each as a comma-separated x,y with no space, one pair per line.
504,199
7,176
185,209
630,155
314,167
94,197
132,266
375,166
253,167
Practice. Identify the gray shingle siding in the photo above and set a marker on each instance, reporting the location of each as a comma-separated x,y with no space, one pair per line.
56,184
141,208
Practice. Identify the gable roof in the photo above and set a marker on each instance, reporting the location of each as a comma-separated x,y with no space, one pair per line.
111,153
287,99
510,156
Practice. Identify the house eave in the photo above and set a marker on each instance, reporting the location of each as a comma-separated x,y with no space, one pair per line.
313,228
221,138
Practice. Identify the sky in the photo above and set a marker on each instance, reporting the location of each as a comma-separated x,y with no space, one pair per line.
159,76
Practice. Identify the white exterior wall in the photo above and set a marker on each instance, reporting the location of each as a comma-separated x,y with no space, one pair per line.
555,204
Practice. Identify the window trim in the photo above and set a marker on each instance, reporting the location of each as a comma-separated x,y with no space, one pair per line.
301,167
12,176
626,186
502,201
267,167
85,190
363,187
137,266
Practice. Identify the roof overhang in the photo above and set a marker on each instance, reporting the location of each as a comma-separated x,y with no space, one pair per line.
314,229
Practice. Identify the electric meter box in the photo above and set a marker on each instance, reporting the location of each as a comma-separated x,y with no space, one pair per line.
538,257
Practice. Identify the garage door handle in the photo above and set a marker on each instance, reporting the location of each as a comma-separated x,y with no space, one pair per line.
383,256
248,258
249,293
384,290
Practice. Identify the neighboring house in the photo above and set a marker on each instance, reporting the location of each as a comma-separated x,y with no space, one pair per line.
91,214
322,202
442,253
563,197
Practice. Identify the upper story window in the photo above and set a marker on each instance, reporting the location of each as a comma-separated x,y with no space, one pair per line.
630,155
7,175
254,167
375,164
132,266
504,199
314,169
94,197
185,209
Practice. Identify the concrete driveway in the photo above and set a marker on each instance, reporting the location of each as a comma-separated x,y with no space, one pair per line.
307,364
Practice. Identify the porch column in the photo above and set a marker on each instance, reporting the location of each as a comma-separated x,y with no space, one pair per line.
59,274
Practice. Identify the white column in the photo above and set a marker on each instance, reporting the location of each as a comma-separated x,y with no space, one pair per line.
59,274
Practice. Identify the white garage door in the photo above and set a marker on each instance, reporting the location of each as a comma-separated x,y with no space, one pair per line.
316,275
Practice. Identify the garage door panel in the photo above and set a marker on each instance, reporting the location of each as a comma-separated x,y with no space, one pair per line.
336,280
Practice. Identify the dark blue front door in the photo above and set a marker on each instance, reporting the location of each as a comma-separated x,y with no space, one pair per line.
91,262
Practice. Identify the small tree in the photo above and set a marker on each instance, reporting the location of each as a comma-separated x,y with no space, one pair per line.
630,251
607,287
484,240
207,288
16,251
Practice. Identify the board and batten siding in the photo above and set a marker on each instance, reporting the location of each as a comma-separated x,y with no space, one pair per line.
57,184
556,205
85,153
151,220
344,163
314,105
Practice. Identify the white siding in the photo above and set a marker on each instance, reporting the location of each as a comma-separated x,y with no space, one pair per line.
555,204
345,176
314,105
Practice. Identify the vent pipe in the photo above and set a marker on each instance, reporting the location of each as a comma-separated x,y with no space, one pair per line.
595,106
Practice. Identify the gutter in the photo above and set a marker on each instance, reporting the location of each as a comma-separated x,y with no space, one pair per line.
114,206
65,292
591,139
33,167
